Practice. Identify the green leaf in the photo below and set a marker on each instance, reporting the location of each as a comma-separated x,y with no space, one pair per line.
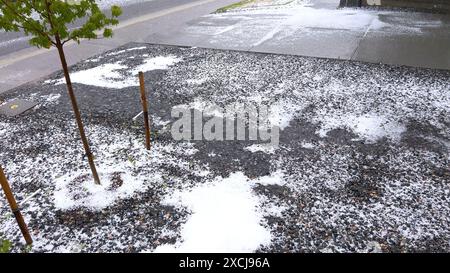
107,33
116,11
40,41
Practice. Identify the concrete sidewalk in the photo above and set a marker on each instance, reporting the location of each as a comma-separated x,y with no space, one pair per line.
319,29
316,29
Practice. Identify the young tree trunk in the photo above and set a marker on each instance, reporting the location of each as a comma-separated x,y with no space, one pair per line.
76,111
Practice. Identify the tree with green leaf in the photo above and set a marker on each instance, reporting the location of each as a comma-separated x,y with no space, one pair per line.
47,22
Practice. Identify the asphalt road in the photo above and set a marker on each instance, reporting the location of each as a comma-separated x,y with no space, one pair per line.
14,41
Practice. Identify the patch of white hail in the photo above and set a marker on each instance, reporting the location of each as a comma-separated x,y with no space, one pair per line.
226,216
118,75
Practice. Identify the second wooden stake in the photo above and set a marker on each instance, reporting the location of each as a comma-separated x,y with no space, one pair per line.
145,111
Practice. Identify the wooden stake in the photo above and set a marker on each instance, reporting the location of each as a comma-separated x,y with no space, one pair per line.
145,111
15,208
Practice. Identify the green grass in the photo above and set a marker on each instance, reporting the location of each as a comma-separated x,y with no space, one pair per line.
234,6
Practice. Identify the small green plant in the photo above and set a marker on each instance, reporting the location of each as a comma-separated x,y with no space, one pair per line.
5,246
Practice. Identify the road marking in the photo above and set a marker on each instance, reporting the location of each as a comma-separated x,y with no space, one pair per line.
6,43
8,60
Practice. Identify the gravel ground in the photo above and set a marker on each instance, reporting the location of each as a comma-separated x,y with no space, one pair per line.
364,152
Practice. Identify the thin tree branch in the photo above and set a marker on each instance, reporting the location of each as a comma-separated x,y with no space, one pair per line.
65,41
